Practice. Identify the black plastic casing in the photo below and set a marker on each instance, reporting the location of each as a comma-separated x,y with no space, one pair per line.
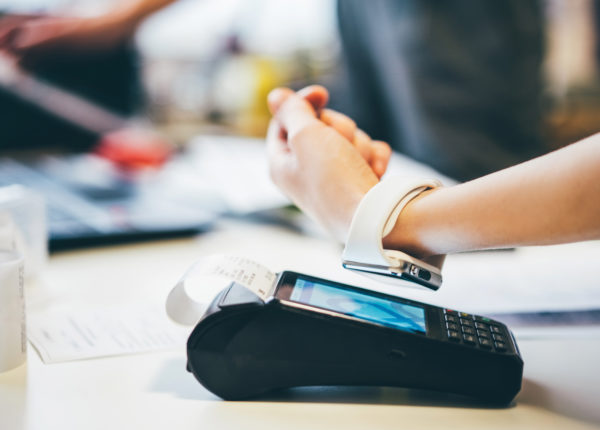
244,347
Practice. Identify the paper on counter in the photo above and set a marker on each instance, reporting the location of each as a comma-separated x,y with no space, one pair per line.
75,334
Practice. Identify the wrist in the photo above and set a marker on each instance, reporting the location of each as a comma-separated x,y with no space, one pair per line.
352,201
408,232
338,216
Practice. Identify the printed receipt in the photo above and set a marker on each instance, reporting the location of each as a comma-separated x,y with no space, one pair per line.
250,274
76,334
189,299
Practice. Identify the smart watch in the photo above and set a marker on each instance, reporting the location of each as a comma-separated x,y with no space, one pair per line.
374,219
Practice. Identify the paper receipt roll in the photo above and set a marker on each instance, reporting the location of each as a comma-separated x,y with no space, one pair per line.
13,334
189,299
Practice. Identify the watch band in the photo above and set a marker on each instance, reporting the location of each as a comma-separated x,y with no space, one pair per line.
376,216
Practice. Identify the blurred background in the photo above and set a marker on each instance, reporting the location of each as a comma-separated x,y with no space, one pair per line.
466,87
213,71
206,66
215,67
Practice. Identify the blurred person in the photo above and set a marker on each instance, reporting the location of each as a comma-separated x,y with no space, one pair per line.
454,84
326,166
91,56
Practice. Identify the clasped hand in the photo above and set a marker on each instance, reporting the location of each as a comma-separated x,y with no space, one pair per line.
319,157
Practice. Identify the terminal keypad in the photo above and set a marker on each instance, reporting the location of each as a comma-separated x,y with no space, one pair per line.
475,331
468,330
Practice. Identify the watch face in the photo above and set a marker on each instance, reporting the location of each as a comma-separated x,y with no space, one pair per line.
357,303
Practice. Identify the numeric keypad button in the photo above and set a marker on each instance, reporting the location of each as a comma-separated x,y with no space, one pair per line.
468,330
466,322
500,346
470,339
453,335
452,319
485,343
452,326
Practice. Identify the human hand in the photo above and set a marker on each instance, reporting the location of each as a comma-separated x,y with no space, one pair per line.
9,22
376,153
313,163
29,37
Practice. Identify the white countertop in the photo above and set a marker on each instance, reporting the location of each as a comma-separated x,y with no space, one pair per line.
561,387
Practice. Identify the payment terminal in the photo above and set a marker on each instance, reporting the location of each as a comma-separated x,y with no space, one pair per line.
314,332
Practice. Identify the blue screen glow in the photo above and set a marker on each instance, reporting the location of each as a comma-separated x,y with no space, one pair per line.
367,307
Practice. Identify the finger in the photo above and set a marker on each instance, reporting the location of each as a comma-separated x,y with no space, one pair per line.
340,122
33,33
295,114
382,154
276,141
9,23
278,152
6,29
363,143
6,38
276,98
316,95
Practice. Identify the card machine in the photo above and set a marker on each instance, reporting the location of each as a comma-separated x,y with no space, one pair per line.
315,332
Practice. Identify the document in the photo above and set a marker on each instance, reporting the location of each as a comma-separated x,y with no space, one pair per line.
66,334
75,334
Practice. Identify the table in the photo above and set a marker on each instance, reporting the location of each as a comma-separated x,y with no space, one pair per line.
561,388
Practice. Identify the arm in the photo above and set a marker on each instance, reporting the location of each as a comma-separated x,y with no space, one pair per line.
548,200
551,199
31,36
136,11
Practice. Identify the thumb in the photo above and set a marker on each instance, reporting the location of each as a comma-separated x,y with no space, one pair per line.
276,98
316,95
291,111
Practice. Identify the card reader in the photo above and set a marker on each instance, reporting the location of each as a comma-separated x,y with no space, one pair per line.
315,332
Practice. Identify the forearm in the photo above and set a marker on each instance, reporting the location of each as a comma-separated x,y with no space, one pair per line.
131,14
551,199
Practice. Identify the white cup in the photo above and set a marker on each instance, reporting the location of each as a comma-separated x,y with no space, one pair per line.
23,222
13,334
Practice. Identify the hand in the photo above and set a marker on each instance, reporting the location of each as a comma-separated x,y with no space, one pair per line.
313,163
376,153
8,24
29,37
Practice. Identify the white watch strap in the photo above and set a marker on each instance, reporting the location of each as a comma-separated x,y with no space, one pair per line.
376,216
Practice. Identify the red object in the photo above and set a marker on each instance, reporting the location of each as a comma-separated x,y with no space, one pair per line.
135,149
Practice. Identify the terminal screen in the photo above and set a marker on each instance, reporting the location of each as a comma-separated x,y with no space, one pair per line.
360,305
